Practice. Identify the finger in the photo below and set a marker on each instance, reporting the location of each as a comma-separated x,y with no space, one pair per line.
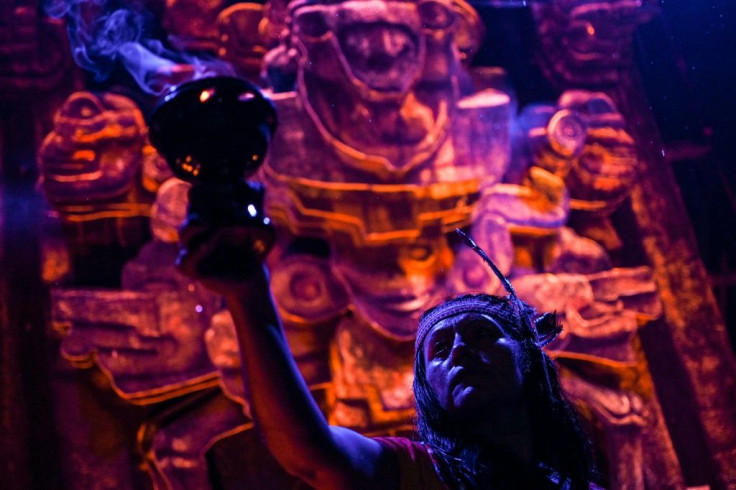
215,252
194,252
234,236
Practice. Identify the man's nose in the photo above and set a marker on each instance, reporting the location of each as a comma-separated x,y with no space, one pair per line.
460,348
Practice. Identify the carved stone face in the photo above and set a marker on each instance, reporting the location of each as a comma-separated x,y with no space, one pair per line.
392,285
587,42
34,50
94,150
192,24
378,78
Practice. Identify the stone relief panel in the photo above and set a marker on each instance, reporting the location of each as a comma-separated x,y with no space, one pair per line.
383,150
99,172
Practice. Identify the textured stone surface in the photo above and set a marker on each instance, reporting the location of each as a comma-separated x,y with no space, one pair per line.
374,166
695,336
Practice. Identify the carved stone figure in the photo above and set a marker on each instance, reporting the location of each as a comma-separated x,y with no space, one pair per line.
380,200
192,24
175,442
604,371
238,33
33,49
586,43
584,140
91,168
150,340
372,139
94,150
246,33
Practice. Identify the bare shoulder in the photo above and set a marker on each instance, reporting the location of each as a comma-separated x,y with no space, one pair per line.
367,463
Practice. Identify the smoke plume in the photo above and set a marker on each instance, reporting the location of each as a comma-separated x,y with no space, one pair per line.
106,33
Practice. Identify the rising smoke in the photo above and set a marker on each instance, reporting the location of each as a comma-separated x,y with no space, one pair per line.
105,34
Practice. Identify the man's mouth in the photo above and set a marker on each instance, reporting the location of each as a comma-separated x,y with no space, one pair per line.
467,375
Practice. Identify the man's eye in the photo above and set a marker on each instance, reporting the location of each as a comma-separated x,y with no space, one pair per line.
441,348
485,332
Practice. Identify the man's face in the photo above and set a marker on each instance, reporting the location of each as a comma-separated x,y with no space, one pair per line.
472,364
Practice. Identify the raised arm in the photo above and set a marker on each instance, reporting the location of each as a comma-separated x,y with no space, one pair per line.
287,418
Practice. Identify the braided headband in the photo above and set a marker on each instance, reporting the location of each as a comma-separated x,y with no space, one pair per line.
510,309
468,304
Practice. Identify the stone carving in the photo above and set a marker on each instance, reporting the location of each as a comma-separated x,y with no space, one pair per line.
391,63
380,201
150,344
169,210
152,340
383,149
92,166
149,336
96,149
244,37
238,33
192,24
384,192
600,318
176,441
583,140
601,369
624,416
33,49
587,43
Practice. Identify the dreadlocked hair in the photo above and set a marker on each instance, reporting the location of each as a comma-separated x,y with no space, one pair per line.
559,441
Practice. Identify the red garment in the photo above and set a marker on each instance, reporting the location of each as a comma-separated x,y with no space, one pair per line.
417,470
416,467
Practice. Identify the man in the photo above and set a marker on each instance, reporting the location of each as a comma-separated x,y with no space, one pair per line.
490,411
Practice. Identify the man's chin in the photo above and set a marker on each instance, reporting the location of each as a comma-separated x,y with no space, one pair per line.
469,401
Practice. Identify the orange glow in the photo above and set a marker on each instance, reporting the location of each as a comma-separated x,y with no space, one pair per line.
206,94
83,155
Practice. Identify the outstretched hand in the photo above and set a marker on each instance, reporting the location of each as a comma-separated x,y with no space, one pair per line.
229,260
226,260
